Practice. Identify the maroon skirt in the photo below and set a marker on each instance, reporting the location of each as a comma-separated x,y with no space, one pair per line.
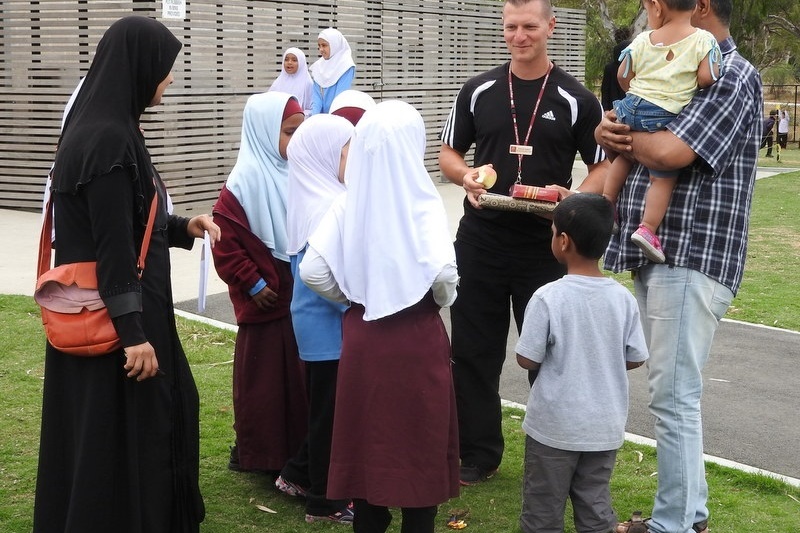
269,395
395,431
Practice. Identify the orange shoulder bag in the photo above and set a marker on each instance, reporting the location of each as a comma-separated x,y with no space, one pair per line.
74,316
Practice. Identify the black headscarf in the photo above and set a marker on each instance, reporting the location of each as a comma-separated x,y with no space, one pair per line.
102,132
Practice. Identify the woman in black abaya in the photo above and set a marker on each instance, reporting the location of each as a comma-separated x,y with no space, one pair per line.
120,439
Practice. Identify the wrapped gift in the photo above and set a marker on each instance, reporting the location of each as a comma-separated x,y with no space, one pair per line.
506,203
530,192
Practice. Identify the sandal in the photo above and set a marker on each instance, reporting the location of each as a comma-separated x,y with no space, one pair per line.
635,525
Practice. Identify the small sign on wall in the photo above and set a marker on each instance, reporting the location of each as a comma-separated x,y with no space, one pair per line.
173,9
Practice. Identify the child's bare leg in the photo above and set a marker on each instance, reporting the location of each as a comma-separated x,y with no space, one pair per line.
617,174
657,200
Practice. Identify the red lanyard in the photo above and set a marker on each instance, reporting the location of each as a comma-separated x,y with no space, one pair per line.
533,116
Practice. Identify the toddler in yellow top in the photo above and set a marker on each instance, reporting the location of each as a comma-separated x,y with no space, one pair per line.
660,71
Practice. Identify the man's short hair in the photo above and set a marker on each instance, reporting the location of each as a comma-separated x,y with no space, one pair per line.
722,9
548,5
680,5
588,219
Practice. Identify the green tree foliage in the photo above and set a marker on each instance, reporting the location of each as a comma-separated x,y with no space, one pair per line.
767,32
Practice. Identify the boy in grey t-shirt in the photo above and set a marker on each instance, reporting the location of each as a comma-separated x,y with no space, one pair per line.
582,332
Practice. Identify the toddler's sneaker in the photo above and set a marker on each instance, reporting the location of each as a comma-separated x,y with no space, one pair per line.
289,488
649,244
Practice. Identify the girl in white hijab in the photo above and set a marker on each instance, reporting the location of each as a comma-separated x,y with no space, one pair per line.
386,248
352,105
315,155
294,78
316,171
333,72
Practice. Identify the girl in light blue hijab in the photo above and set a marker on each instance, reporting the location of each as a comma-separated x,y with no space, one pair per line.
269,400
260,178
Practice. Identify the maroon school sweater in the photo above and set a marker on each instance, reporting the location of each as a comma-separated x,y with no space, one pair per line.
241,259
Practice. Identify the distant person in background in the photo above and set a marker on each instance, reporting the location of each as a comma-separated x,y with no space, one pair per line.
333,72
295,79
352,104
783,129
269,392
769,128
610,89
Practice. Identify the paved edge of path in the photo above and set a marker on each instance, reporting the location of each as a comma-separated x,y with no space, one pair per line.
631,437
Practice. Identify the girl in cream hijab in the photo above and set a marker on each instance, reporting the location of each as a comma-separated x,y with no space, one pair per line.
333,72
385,248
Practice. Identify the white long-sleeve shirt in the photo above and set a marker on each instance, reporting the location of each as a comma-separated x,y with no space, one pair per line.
317,275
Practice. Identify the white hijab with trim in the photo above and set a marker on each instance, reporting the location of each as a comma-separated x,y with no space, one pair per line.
259,180
387,239
326,72
352,98
298,84
314,155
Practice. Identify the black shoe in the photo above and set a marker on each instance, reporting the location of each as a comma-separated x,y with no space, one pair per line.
233,462
472,475
343,516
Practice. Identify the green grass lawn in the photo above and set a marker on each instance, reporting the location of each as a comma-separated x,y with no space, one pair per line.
739,502
772,270
789,158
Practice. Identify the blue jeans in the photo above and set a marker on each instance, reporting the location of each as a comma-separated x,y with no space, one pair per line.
642,115
680,310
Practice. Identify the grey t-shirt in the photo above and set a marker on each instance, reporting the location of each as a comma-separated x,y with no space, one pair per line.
582,330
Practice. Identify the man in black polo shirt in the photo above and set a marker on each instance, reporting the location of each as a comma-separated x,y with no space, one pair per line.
528,118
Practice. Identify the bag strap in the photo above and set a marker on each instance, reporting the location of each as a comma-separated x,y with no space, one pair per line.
148,232
46,244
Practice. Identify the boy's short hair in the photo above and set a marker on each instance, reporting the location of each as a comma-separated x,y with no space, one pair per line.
588,219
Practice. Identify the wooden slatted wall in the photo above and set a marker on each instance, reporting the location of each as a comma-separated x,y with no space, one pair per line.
418,50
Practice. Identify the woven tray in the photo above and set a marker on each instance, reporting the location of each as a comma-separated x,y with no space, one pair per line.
506,203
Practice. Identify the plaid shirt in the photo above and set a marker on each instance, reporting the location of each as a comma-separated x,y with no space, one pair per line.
706,224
